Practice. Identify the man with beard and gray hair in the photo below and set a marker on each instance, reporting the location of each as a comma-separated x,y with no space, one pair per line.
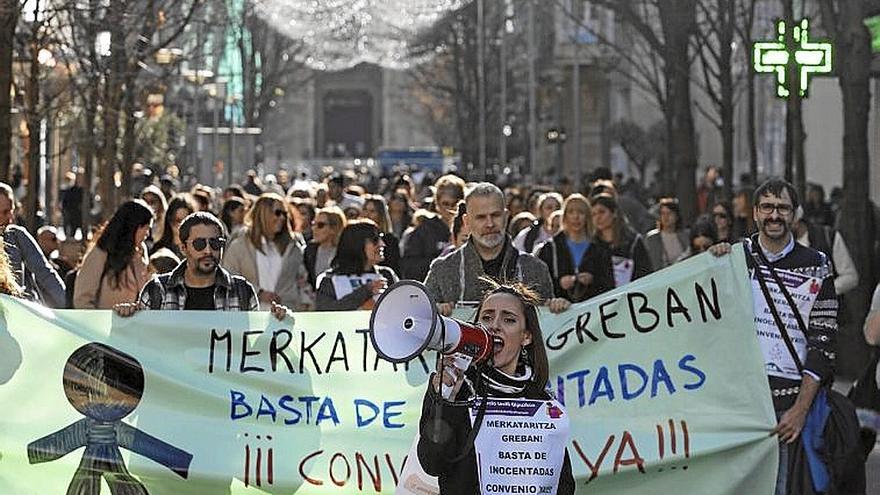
199,282
455,278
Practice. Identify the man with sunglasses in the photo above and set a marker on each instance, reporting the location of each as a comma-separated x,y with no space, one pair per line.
199,282
795,317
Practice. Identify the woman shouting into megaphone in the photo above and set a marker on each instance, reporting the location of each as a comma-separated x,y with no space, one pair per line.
502,429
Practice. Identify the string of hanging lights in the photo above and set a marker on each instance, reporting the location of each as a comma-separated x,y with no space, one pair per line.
343,33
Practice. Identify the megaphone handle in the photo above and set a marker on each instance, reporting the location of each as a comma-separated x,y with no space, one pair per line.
445,390
438,366
454,366
478,422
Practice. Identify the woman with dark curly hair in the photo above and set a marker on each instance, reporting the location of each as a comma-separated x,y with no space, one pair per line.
702,236
117,266
355,276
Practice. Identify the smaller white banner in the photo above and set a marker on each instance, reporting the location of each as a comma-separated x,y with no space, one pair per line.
346,284
520,446
623,270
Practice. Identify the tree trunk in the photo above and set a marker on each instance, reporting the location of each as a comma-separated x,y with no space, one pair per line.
88,144
34,114
752,132
470,80
129,139
752,126
854,61
800,162
667,167
113,95
795,169
795,166
678,20
727,148
460,117
8,21
87,148
725,68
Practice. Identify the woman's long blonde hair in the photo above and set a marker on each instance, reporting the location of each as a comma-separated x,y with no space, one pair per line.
8,285
260,214
335,220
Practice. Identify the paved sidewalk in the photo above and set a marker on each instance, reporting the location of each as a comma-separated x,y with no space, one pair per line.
873,471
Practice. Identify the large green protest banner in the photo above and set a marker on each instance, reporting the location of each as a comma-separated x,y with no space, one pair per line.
662,379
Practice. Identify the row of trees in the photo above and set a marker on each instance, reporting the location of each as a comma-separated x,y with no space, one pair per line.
446,84
675,47
107,57
85,60
668,49
692,41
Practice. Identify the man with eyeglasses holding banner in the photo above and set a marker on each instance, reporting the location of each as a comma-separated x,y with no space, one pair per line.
795,317
199,282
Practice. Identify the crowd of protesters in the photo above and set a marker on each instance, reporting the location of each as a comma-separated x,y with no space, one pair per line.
295,239
337,242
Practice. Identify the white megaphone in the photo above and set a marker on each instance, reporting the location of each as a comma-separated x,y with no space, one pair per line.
405,322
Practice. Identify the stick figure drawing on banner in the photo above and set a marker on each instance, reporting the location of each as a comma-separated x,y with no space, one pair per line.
105,385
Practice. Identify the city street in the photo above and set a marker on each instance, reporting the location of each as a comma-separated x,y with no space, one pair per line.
332,246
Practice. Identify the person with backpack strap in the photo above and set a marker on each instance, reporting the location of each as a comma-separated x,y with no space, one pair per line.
541,229
799,344
629,257
829,241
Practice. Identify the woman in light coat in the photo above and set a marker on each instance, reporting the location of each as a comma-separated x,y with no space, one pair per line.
270,256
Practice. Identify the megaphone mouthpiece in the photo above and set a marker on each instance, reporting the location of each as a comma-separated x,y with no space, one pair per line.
465,338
